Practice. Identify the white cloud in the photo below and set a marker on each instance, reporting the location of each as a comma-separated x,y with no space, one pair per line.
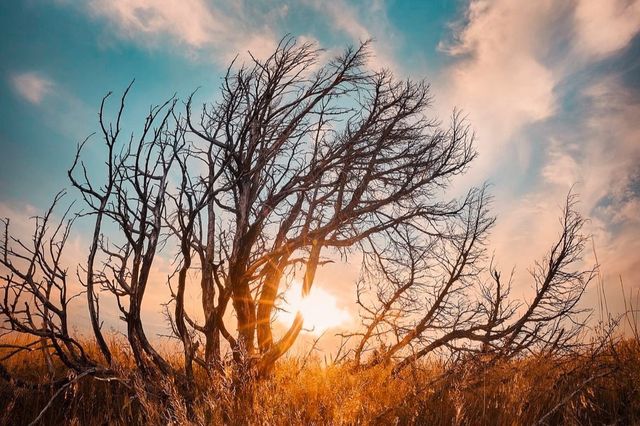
32,86
189,21
603,27
561,167
509,62
497,77
604,167
194,25
611,149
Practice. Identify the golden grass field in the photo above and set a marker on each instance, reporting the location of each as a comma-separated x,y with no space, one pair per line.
596,386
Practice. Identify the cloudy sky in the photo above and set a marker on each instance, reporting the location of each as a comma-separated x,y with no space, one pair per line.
552,89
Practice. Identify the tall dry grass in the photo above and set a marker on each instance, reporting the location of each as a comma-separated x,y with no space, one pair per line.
592,387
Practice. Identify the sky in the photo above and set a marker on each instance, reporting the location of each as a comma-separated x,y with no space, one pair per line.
551,88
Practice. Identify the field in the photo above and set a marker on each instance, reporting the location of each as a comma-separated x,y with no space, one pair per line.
598,385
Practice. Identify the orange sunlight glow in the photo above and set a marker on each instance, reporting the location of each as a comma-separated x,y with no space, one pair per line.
319,309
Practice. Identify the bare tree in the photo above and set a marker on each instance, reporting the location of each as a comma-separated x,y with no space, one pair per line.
305,162
295,162
438,293
36,292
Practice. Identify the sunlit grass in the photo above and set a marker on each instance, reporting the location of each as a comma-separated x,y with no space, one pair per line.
589,388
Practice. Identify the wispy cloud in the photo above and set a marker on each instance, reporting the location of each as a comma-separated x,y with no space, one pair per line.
360,24
32,86
497,75
510,58
515,65
190,22
603,27
195,25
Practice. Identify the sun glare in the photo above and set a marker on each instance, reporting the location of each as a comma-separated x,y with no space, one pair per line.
319,309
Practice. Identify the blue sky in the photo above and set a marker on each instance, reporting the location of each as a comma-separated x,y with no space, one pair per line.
552,89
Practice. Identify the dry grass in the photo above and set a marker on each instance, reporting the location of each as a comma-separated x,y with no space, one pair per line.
601,388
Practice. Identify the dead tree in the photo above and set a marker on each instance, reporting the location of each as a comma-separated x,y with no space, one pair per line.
426,294
36,290
317,160
295,162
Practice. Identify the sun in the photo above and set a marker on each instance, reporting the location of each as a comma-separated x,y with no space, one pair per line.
319,309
